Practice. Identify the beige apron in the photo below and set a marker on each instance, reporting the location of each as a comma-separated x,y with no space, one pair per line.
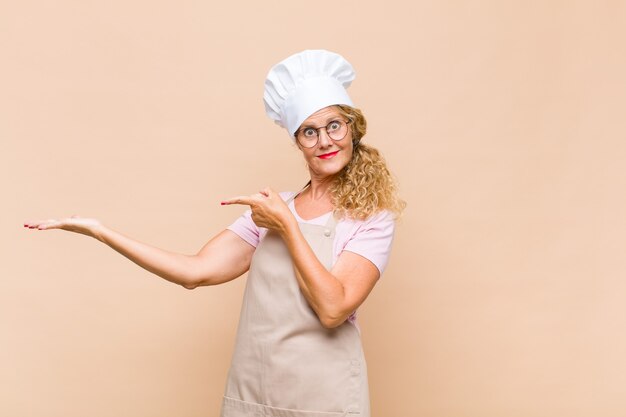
285,363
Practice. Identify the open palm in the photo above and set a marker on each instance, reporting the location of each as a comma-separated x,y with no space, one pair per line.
74,223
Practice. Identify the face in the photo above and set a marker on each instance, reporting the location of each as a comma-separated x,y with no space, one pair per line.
328,156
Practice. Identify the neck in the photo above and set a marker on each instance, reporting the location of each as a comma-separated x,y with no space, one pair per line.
318,190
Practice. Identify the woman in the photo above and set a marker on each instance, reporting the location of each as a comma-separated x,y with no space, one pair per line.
313,256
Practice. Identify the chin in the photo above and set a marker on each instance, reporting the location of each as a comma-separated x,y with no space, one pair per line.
329,169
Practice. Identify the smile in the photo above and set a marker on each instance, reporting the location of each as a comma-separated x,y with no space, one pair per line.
328,155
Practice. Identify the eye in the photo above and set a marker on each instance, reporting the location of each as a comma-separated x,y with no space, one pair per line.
309,132
334,125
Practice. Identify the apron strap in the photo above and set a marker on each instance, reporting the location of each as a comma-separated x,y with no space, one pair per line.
332,221
298,193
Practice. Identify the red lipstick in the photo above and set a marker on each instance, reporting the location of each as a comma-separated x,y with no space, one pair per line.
328,155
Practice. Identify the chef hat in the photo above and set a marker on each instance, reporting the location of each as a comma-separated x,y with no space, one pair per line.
304,83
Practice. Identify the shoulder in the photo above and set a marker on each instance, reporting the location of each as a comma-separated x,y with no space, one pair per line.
379,228
372,238
286,194
383,218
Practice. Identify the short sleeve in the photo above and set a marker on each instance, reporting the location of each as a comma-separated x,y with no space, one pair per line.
245,227
374,238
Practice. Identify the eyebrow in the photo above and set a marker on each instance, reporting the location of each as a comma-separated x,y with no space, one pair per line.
328,120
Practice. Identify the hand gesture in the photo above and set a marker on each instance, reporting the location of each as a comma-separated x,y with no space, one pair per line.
269,210
73,224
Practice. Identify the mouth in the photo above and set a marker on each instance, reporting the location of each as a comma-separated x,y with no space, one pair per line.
328,155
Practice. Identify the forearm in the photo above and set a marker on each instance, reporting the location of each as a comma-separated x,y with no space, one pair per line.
174,267
323,291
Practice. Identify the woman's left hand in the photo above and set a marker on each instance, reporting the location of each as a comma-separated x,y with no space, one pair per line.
269,210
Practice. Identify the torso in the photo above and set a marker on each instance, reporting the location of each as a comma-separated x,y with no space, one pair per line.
285,363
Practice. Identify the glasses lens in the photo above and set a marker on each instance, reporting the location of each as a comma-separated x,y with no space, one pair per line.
337,129
307,137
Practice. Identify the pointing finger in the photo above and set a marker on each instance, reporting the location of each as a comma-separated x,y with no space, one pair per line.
242,199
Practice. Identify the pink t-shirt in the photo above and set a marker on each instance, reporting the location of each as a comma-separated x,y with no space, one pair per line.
371,238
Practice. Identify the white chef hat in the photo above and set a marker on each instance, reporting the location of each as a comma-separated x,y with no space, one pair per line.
304,83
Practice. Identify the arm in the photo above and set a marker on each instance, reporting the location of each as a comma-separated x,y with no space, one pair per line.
224,258
334,294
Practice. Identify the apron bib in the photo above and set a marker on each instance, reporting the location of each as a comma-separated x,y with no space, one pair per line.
285,363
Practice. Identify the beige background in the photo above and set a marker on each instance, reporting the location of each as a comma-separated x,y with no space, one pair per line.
503,121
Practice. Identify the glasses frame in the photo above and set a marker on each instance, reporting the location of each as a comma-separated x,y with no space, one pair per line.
317,129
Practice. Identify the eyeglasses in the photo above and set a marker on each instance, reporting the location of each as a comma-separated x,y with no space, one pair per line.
309,136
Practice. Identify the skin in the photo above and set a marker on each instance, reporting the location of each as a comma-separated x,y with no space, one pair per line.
333,294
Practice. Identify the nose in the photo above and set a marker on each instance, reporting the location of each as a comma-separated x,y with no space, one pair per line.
324,141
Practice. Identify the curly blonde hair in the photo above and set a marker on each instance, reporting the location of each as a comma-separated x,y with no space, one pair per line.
364,186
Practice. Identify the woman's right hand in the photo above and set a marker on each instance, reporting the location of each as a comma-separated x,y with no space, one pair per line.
85,226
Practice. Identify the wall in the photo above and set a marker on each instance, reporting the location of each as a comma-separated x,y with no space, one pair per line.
503,122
